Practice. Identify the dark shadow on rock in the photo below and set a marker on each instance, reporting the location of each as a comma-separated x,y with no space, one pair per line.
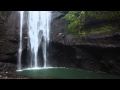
61,55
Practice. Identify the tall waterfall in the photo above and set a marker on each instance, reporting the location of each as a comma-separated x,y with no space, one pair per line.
38,35
39,27
20,43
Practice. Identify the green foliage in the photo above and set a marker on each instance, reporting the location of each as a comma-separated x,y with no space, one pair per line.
74,17
83,33
78,19
72,27
102,29
104,15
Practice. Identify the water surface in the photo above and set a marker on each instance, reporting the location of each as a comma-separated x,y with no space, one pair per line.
66,73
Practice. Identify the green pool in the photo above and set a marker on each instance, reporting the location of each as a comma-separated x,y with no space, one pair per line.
65,73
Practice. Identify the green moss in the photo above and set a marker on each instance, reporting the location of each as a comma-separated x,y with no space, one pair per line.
83,33
73,27
100,30
104,15
76,21
72,15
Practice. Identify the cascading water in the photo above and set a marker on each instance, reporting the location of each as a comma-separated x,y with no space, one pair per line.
38,35
20,44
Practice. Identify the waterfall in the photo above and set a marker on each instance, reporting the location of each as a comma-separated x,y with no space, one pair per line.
20,43
38,34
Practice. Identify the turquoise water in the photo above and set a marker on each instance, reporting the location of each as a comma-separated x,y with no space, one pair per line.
66,73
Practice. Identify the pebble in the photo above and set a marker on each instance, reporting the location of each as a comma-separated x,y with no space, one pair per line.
6,77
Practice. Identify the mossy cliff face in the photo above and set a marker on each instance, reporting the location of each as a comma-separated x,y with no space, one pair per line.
86,22
76,21
85,25
94,37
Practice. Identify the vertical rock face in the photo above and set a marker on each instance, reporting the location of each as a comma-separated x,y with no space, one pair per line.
13,35
60,55
100,38
7,46
9,35
59,29
9,38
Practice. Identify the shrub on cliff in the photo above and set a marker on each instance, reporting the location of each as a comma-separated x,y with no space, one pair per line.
78,20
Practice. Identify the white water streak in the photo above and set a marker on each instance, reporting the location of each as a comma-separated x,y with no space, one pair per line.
20,44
